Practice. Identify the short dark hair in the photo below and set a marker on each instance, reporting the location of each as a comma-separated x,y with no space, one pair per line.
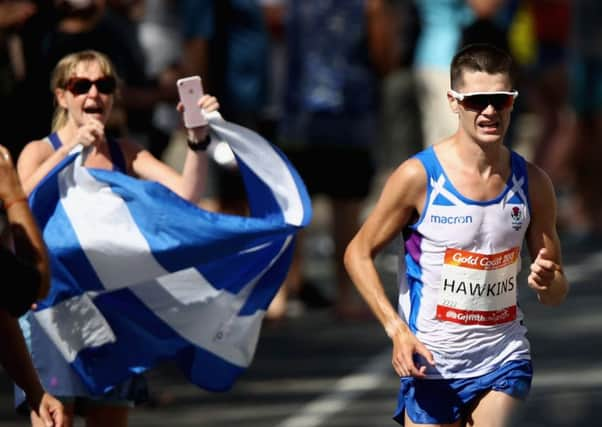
482,57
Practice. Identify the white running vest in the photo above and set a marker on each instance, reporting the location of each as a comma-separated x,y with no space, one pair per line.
458,274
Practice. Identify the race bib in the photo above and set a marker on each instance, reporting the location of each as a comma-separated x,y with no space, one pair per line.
478,289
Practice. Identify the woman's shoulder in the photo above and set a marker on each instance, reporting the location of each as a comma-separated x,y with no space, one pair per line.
43,145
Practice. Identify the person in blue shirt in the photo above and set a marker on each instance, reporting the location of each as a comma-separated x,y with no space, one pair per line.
338,52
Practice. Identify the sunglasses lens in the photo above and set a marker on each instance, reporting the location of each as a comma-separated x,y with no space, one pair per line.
106,85
79,86
500,101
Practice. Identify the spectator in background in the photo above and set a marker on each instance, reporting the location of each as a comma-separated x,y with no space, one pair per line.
226,43
22,72
337,53
160,35
586,99
13,15
442,25
400,111
548,84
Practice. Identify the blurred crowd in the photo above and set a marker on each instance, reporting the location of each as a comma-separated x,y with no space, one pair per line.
347,88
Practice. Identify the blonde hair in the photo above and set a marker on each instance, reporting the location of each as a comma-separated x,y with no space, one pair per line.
65,69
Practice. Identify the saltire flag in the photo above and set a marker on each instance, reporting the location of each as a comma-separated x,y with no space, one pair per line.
141,275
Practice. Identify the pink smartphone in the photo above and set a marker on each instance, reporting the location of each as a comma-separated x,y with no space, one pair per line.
190,90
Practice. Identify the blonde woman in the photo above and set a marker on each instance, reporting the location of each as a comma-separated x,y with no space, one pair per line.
85,86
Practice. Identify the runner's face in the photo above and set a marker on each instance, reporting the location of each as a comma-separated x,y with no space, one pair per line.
486,125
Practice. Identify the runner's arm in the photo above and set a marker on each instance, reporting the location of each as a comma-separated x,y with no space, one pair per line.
401,199
546,274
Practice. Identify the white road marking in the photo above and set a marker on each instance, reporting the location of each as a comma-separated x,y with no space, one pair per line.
344,391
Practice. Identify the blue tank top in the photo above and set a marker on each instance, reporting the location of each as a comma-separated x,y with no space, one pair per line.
114,150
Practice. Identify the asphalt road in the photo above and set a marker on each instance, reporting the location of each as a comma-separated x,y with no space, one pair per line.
314,370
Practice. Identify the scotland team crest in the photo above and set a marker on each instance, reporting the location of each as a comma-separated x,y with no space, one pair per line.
517,217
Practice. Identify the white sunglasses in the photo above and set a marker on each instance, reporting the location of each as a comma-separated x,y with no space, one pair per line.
480,100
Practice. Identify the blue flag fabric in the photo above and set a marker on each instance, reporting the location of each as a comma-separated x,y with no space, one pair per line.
140,275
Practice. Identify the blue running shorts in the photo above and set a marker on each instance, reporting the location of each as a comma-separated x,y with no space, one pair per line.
445,401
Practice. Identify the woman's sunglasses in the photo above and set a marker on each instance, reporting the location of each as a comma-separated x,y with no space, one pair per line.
80,85
478,101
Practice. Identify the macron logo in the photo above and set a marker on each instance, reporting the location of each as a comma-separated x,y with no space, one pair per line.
442,219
